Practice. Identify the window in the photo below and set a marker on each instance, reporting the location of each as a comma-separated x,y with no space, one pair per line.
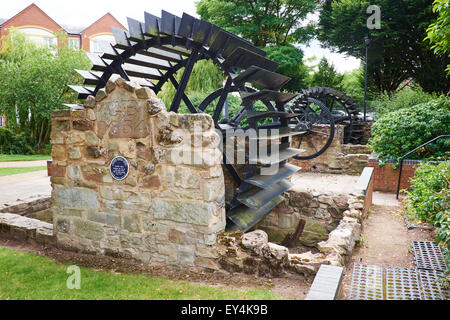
49,41
95,47
2,122
40,36
74,44
96,40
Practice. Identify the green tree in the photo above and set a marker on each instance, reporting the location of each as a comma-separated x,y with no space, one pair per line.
291,65
353,86
261,21
275,26
34,80
327,76
438,33
397,51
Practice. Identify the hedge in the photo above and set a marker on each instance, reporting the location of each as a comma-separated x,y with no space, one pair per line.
429,199
398,132
12,143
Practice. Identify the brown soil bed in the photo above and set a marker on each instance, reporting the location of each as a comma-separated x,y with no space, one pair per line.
292,287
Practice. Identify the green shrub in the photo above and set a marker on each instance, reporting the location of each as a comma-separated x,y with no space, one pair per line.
401,131
429,199
405,98
11,143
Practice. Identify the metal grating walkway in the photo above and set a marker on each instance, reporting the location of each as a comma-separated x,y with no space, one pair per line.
428,255
420,283
431,288
402,284
367,283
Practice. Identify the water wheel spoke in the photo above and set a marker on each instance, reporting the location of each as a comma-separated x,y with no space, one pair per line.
300,142
332,105
312,144
320,132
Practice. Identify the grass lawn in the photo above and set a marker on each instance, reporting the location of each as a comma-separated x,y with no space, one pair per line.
21,157
11,171
30,277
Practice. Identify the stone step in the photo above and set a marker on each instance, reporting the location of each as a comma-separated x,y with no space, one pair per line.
22,228
326,284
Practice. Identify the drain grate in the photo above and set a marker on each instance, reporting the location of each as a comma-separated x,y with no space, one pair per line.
431,288
428,255
367,283
402,284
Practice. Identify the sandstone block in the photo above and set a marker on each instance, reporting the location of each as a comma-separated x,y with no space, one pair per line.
74,153
90,102
74,172
90,115
131,222
83,125
74,138
196,212
58,138
76,198
176,236
60,125
155,106
145,93
101,94
274,251
255,241
58,171
186,255
206,263
92,139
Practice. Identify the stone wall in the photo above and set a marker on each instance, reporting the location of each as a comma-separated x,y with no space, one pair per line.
322,211
28,206
170,207
23,229
339,158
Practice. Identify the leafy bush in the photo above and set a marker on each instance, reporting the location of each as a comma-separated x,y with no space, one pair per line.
11,143
405,98
429,199
401,131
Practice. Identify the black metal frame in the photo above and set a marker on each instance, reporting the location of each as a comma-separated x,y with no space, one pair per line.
155,51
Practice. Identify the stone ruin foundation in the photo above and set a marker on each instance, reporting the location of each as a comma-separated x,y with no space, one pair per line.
170,209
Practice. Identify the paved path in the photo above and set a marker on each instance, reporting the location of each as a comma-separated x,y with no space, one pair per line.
24,186
386,239
23,164
326,183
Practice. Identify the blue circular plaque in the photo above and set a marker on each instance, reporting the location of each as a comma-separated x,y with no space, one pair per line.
119,168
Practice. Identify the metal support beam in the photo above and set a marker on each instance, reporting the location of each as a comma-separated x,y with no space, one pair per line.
185,98
184,80
222,100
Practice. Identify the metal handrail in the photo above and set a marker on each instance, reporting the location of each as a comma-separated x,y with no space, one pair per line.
407,154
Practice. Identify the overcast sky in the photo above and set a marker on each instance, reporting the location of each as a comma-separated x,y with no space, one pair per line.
84,12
